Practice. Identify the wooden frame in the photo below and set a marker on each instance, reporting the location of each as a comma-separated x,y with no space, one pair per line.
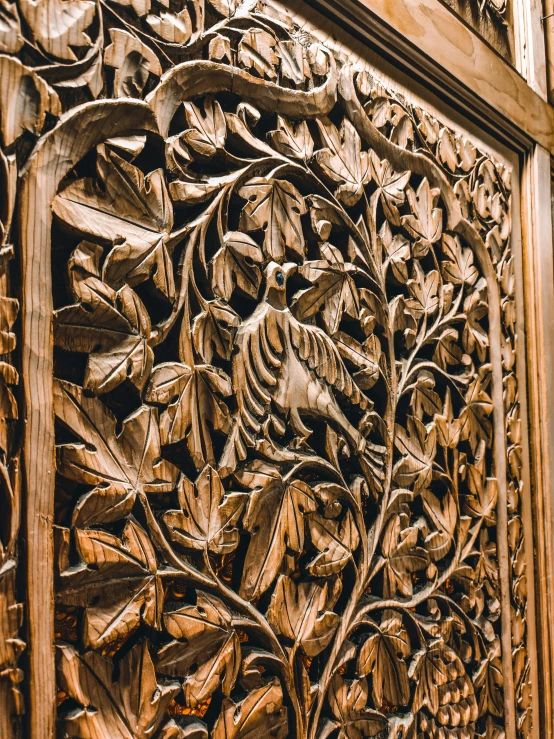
500,105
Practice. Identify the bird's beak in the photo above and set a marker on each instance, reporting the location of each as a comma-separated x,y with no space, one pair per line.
290,268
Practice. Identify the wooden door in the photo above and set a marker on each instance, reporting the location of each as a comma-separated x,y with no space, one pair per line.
277,300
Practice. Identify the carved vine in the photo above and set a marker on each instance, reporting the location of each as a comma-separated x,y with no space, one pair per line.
276,499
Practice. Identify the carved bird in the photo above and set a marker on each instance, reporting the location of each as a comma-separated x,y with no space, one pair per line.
297,367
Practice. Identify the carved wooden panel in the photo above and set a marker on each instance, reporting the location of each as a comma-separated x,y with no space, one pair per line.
288,486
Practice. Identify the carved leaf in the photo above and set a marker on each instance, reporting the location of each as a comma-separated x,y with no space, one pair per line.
204,636
459,268
424,299
24,102
275,206
192,406
257,52
481,503
417,444
474,417
390,186
113,328
301,612
275,519
335,541
133,62
348,701
180,27
398,252
429,672
208,514
118,584
343,160
208,131
213,330
235,264
333,292
261,713
448,428
132,211
402,557
425,223
130,708
382,655
11,39
59,25
130,459
292,139
444,516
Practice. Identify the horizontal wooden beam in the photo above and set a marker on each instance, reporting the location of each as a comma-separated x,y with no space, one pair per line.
431,42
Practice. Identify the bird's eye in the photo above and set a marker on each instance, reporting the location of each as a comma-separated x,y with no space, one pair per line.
280,279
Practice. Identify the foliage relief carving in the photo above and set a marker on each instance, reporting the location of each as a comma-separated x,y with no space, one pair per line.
276,499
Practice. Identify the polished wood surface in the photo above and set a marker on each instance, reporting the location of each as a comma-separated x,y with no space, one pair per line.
285,382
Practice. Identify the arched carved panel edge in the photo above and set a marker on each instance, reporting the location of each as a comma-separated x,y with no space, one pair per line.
384,484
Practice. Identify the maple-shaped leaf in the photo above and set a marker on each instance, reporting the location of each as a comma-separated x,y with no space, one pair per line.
481,503
207,132
489,677
293,139
336,541
343,160
256,51
208,514
133,706
113,328
447,349
294,61
261,713
213,330
424,399
460,268
424,298
120,464
333,291
275,206
448,428
444,516
192,406
348,702
275,520
425,222
402,556
391,186
235,265
398,252
302,612
58,27
474,416
429,671
475,337
129,210
203,636
417,444
178,28
382,655
117,582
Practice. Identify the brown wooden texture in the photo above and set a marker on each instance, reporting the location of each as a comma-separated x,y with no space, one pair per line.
274,452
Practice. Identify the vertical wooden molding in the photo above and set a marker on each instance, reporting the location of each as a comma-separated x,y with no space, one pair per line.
539,306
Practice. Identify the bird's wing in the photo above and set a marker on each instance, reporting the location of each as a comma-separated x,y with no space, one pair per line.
257,358
322,356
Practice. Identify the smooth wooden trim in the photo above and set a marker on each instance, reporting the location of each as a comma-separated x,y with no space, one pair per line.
57,153
538,264
431,42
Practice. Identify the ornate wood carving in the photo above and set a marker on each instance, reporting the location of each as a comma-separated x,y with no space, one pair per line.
288,473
